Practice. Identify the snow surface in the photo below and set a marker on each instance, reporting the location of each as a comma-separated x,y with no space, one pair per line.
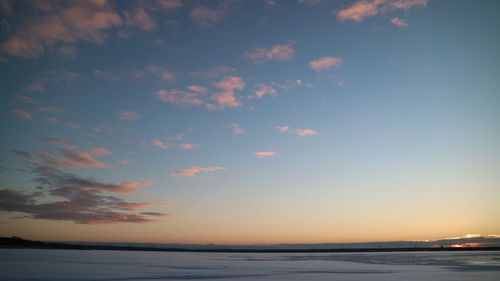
29,264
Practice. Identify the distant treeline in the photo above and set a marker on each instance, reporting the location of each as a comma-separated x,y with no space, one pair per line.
17,243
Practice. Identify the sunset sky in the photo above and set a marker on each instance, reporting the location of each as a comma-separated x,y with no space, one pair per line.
263,121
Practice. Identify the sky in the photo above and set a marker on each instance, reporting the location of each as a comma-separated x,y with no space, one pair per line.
249,122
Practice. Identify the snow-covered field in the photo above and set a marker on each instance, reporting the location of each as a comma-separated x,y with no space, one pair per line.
18,264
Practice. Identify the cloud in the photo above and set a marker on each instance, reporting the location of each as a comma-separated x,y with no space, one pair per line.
197,89
52,109
127,115
179,97
359,11
237,130
123,162
228,98
98,151
276,52
208,17
68,51
213,73
283,128
399,22
27,99
139,17
66,142
61,23
160,144
161,72
21,114
325,63
170,4
187,146
364,9
84,200
71,159
306,132
265,154
193,170
263,90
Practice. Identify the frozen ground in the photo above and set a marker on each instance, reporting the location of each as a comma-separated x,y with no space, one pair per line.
17,264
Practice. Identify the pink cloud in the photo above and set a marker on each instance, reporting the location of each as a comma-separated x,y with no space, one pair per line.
128,115
399,22
161,72
161,144
283,128
325,63
52,109
276,52
66,142
135,206
66,23
170,4
360,10
306,132
228,98
123,162
193,170
407,4
197,89
364,9
128,187
21,114
263,90
208,17
265,154
237,130
179,97
139,17
98,151
187,146
231,83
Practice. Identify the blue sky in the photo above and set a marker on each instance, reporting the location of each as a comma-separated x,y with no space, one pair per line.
249,121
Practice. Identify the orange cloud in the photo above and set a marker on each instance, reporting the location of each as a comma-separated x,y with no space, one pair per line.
128,187
228,98
187,146
325,63
193,170
263,89
399,22
197,89
161,144
276,52
283,128
306,132
265,154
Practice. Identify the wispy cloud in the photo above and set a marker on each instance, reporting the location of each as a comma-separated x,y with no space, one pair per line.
207,17
160,144
325,63
277,52
99,151
213,73
187,146
306,132
139,17
399,22
180,97
128,115
193,170
170,4
283,128
265,154
21,114
161,72
237,130
263,90
364,9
